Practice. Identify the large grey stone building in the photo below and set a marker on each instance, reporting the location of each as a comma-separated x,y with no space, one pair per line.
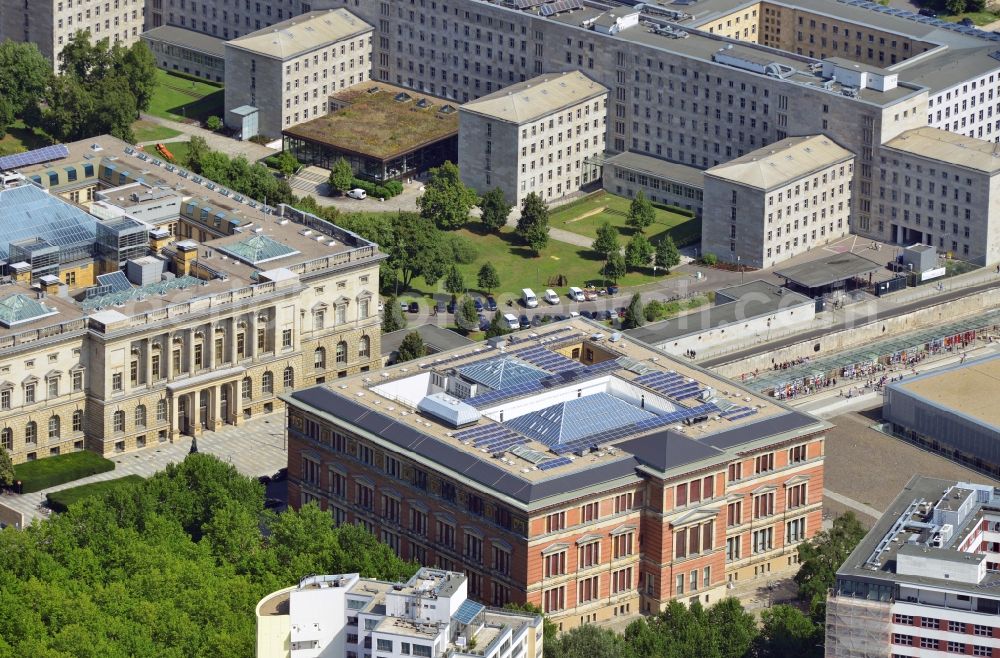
540,136
778,202
289,70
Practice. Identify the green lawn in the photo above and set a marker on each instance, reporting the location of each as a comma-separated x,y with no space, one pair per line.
21,138
178,149
183,99
977,17
60,501
146,131
586,215
519,268
50,471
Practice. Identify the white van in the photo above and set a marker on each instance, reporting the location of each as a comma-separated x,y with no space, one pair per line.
512,321
528,298
575,294
551,296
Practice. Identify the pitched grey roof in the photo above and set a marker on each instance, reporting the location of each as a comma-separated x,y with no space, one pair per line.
576,418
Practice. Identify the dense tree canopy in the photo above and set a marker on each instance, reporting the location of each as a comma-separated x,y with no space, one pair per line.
412,347
25,77
820,558
495,209
341,176
253,180
488,278
638,251
172,567
606,242
640,212
635,315
666,255
533,225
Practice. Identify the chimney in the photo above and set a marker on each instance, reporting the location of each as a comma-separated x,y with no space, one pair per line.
186,254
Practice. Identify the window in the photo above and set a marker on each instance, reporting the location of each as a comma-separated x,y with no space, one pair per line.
984,631
319,358
199,360
29,393
319,319
795,530
363,308
928,643
928,622
554,599
116,381
140,416
53,387
621,580
445,534
734,514
5,399
589,554
31,432
904,640
797,454
474,547
118,421
54,428
763,505
341,352
555,522
736,471
795,496
383,645
246,388
7,439
956,647
622,545
733,548
623,502
978,650
286,338
501,560
764,463
906,620
288,377
588,589
364,347
161,410
267,383
763,540
77,421
956,626
555,564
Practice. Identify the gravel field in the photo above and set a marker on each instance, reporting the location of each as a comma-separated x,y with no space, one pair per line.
871,468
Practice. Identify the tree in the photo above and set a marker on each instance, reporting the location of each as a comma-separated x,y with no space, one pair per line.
640,212
446,200
392,316
197,150
25,76
114,109
498,326
466,315
590,641
533,225
138,67
495,210
286,163
666,256
488,278
606,242
634,314
341,176
6,468
734,628
955,7
454,282
418,250
638,251
785,631
213,123
614,268
820,558
412,347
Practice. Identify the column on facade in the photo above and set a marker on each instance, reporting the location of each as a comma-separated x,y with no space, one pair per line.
215,419
233,330
189,350
148,351
250,341
167,356
174,416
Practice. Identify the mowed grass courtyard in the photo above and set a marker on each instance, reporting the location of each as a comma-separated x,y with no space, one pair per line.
519,267
586,215
181,98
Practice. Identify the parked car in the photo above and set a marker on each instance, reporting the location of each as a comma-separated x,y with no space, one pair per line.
551,296
404,306
557,318
357,193
576,294
414,307
612,290
491,304
479,305
929,13
608,315
525,322
512,321
381,306
590,294
585,313
451,307
484,322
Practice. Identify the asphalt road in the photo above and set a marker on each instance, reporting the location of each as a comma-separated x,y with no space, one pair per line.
819,333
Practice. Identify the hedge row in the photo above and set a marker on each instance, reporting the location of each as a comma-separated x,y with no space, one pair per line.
675,209
51,471
59,501
390,189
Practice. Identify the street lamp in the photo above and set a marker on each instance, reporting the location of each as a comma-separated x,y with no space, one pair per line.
740,264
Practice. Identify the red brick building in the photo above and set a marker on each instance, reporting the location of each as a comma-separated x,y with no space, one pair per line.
588,476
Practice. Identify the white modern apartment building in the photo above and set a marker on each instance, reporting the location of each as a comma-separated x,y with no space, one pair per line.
778,202
289,70
924,581
537,136
51,23
429,616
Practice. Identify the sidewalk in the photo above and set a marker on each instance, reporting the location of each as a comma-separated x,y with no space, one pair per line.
216,142
256,447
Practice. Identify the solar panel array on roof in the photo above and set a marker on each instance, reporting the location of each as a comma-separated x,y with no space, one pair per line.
576,418
547,359
491,438
553,463
613,434
116,281
551,381
37,156
559,6
674,386
527,4
468,611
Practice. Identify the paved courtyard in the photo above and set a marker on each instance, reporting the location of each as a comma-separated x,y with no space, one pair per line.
256,447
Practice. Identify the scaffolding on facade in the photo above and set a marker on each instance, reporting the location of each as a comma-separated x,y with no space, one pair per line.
857,628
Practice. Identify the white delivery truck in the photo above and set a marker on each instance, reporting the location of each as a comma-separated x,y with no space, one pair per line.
511,320
575,294
551,296
528,298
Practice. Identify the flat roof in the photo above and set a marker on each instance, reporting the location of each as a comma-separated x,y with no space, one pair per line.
971,389
189,39
382,121
537,98
828,269
733,305
782,163
945,146
302,34
646,164
527,468
435,337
